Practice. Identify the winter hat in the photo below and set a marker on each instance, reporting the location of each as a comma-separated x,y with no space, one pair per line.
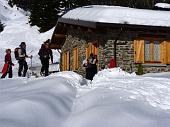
22,43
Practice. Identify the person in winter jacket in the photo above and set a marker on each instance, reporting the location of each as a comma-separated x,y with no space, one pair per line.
8,62
86,64
45,54
23,67
91,66
112,63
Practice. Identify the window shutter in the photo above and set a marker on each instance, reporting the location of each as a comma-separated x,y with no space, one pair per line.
139,51
163,52
75,58
168,52
63,62
94,48
87,52
68,60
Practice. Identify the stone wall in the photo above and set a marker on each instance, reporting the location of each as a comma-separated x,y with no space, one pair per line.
106,38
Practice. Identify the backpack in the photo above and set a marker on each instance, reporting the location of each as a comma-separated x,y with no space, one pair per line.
16,53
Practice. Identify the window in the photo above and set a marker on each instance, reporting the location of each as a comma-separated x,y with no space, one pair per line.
91,48
75,58
147,51
66,61
156,51
152,51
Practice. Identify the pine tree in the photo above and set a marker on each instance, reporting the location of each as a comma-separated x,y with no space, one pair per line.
45,14
1,27
24,4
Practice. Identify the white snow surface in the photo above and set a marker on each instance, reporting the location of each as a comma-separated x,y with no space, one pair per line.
18,29
119,15
113,99
162,5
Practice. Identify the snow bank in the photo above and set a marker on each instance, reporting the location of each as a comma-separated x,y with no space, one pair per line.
155,91
75,79
120,99
44,102
162,5
107,74
158,75
114,99
107,108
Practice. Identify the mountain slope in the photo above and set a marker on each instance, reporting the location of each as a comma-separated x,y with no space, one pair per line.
18,29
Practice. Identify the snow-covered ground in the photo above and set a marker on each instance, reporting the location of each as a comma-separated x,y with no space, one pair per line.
162,5
113,99
17,29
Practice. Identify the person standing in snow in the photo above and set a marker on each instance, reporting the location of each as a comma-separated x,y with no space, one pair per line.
94,65
112,63
22,55
90,67
45,54
86,64
8,65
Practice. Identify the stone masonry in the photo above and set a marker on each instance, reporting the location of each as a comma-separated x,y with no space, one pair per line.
106,38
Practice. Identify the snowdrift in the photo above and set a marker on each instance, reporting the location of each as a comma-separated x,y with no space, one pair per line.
118,100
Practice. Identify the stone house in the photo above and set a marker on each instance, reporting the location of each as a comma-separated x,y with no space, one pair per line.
130,36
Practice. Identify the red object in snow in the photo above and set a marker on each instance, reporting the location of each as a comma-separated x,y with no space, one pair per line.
5,68
112,63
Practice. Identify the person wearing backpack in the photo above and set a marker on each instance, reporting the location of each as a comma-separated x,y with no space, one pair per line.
45,54
7,69
21,56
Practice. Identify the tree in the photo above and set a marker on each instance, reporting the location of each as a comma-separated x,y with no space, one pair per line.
24,4
1,27
45,14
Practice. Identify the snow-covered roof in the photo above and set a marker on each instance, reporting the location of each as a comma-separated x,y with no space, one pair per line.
162,5
117,15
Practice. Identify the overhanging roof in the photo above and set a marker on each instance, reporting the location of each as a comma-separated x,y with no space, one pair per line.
89,15
98,16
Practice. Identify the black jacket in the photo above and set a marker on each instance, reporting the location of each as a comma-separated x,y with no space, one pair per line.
45,53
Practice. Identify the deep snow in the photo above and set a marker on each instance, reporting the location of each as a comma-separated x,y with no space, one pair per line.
113,99
162,5
118,15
